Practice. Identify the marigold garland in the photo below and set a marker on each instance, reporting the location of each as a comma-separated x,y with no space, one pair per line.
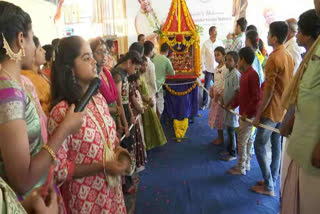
173,42
183,93
179,8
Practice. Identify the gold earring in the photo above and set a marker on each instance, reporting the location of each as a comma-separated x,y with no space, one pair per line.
12,55
23,52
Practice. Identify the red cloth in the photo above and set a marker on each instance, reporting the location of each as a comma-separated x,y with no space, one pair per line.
249,95
108,90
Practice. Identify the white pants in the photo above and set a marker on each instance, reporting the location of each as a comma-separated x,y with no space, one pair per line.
244,145
160,102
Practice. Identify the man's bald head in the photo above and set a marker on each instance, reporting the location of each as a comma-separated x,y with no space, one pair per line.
293,28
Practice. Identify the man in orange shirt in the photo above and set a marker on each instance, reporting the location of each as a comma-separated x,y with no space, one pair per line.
279,71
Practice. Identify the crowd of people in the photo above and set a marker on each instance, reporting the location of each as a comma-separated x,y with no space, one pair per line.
280,90
94,153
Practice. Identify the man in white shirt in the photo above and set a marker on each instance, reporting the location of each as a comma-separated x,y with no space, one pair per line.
291,43
208,61
150,74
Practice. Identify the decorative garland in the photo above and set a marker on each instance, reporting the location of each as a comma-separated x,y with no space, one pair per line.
180,40
177,41
173,10
188,16
183,93
186,13
153,22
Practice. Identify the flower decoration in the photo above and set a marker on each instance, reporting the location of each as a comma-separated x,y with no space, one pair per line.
183,37
183,93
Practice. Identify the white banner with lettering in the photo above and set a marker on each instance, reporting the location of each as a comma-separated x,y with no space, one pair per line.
142,15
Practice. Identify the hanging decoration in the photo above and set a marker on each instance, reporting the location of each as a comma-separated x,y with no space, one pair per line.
183,93
183,37
180,128
58,12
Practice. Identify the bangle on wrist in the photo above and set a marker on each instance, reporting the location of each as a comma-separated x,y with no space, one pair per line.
50,151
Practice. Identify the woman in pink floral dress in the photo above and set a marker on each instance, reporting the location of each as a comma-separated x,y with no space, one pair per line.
86,168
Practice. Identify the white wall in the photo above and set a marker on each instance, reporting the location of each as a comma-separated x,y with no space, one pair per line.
42,13
218,12
204,12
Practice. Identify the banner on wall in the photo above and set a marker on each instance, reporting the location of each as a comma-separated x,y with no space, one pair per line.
145,16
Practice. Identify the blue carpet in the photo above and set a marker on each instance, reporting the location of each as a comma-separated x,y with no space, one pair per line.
189,178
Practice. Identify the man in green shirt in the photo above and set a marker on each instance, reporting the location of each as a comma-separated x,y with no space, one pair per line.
301,186
163,68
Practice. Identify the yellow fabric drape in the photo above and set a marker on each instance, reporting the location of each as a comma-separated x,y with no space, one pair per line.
180,128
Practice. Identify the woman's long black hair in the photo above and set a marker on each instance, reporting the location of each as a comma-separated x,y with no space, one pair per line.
64,83
253,37
132,55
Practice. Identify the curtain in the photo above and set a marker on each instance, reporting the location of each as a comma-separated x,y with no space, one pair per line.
112,16
71,14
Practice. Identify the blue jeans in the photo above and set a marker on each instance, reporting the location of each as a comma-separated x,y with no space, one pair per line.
270,172
253,137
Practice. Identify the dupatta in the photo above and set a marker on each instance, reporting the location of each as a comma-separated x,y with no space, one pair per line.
108,87
290,94
108,150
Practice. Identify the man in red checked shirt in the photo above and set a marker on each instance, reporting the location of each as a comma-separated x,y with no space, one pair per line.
248,100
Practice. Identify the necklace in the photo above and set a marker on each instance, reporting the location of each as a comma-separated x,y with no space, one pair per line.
11,76
152,18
